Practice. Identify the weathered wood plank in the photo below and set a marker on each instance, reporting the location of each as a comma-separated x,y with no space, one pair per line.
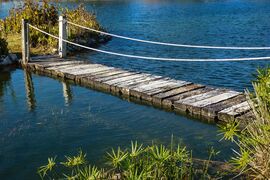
99,82
78,72
147,91
125,87
211,111
108,78
170,102
158,98
123,79
215,99
231,112
196,107
74,67
185,105
91,80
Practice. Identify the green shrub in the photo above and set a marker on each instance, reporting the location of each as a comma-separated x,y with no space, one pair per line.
44,15
253,156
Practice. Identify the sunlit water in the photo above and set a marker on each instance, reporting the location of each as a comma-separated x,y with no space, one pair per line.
42,117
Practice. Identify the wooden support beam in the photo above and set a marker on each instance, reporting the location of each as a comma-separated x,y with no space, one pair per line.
62,36
25,42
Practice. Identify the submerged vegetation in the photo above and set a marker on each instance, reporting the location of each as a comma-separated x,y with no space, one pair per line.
44,15
137,162
253,156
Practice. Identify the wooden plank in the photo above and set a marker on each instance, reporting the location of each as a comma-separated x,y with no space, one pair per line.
94,71
215,99
75,67
125,87
91,80
123,79
110,74
196,107
185,105
166,88
211,111
152,85
233,111
170,102
108,78
59,63
158,98
99,82
84,71
111,69
200,97
146,91
44,65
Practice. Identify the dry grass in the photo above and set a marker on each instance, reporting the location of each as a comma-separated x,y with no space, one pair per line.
15,46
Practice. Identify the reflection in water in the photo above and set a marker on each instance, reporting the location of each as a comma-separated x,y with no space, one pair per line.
4,80
67,93
29,89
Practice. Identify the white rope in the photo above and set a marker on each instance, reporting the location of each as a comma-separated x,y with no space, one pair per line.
152,58
171,44
44,32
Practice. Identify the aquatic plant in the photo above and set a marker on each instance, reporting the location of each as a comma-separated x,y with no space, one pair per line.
136,162
253,141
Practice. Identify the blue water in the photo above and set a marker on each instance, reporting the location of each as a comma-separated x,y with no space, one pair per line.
45,117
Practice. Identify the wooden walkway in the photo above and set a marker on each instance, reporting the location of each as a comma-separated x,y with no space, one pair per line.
196,100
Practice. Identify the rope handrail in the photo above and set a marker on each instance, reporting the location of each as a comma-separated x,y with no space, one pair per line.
151,58
170,44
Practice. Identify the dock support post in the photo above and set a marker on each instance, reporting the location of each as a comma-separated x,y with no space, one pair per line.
62,36
25,42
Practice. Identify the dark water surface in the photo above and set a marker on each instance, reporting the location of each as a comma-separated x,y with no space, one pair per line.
42,117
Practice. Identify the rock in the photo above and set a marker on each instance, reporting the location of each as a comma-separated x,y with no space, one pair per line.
13,57
7,61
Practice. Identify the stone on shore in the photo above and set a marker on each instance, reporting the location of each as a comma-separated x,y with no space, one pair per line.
8,60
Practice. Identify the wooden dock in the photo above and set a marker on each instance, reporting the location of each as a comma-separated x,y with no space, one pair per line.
196,100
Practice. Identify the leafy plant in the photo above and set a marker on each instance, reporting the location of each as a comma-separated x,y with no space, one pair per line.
137,162
253,156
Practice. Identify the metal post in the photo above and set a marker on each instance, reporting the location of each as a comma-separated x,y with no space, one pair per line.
25,42
62,35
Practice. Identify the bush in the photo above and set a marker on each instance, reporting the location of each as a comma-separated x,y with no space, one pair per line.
44,15
253,141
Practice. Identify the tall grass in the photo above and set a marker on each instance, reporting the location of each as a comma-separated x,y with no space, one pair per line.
253,156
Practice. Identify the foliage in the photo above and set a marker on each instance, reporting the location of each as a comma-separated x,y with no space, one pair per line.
44,15
137,162
253,141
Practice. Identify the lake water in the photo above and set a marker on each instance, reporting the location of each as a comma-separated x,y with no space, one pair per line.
42,117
